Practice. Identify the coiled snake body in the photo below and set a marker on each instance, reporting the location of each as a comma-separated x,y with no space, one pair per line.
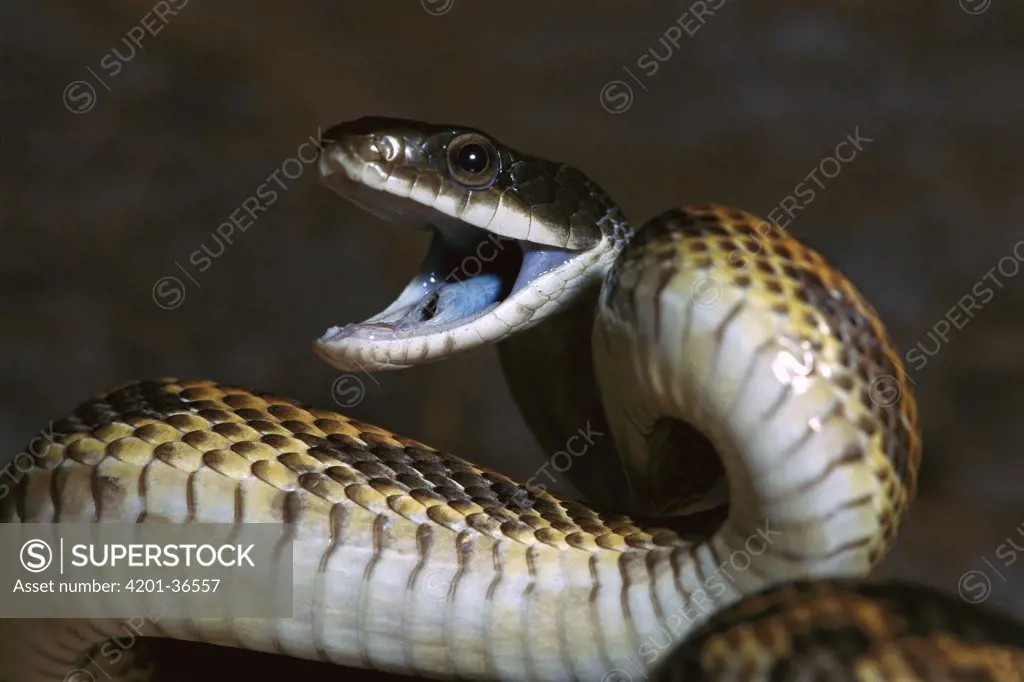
746,409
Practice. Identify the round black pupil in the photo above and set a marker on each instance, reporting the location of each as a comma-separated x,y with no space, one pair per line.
473,158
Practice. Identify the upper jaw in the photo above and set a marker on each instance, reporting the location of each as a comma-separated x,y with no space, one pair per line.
401,175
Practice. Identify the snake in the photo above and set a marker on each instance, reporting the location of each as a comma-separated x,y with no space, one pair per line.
730,407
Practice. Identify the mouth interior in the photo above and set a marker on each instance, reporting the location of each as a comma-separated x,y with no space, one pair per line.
466,273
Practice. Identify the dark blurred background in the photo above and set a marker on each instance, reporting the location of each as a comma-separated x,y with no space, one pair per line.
112,179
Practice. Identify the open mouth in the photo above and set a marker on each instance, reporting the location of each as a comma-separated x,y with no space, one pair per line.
467,273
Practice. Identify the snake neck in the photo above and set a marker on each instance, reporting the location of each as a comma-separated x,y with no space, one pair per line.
549,370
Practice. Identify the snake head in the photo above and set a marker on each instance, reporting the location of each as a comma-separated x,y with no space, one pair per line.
516,238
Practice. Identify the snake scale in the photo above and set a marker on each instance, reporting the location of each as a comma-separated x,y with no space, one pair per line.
744,470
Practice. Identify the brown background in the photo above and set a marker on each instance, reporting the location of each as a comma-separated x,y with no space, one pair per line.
97,206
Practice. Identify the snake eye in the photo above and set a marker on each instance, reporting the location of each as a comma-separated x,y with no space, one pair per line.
473,161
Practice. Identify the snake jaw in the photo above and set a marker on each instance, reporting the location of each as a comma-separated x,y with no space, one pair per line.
442,312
